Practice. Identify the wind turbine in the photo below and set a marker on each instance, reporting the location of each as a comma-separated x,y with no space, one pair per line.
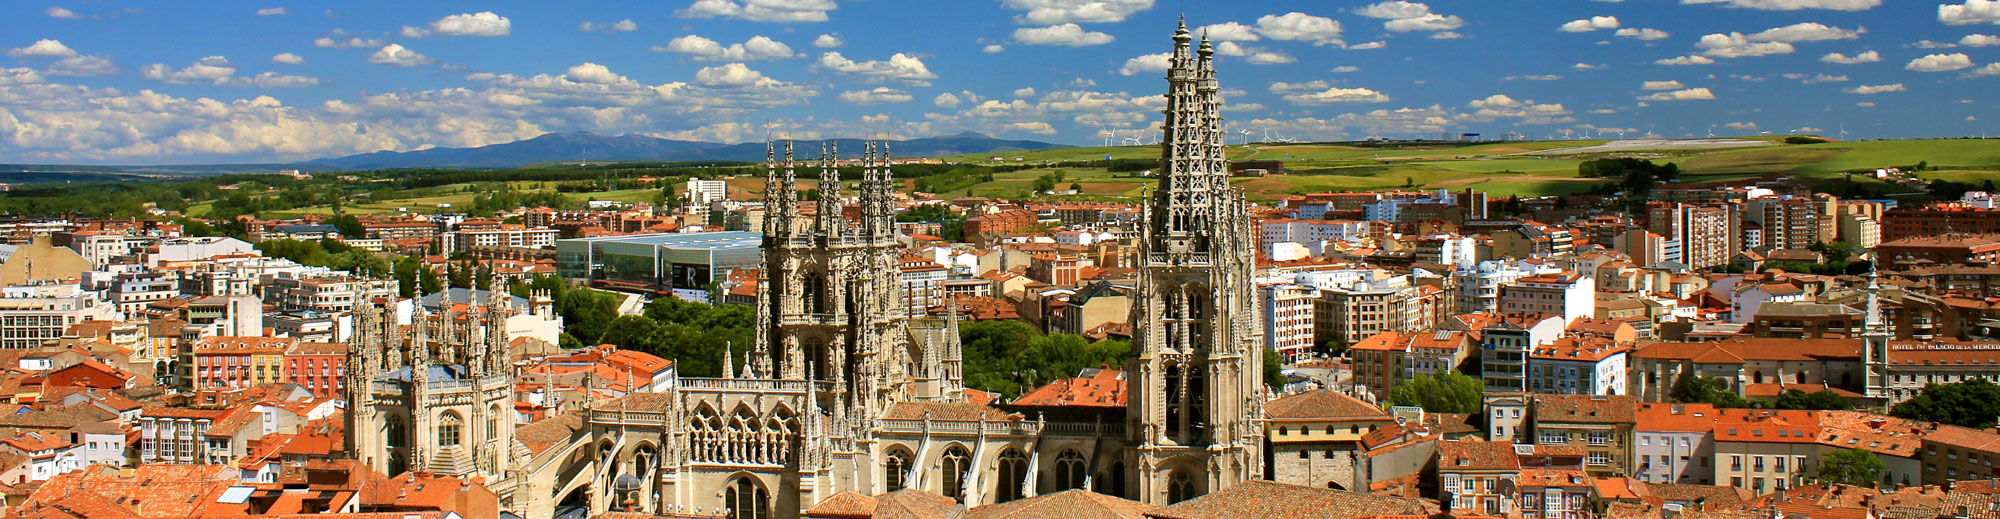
1106,132
1843,131
1267,135
1245,132
1711,131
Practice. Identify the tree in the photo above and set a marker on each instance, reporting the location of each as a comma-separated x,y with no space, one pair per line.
361,263
430,282
1409,181
1447,393
1822,400
1274,370
349,226
1850,466
1706,390
1973,403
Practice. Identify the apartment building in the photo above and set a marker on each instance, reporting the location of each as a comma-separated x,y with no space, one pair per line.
1599,424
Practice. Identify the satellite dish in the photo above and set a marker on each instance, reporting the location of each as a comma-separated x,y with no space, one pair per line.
1506,486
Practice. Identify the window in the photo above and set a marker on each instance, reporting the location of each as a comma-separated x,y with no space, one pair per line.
1552,438
897,469
1329,454
956,462
1600,438
1778,463
448,428
1180,487
1305,455
1069,470
1599,459
1013,473
745,499
1736,462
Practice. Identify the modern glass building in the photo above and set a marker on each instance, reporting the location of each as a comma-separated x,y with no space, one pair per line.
682,264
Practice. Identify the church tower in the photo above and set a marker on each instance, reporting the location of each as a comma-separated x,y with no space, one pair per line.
1196,382
1875,343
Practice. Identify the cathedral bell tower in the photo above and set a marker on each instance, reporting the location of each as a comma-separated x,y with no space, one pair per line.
1196,382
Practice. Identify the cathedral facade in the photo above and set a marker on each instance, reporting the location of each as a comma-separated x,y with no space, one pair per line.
843,392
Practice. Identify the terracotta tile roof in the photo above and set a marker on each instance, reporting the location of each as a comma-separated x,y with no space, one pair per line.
1767,425
1322,405
231,345
914,504
1094,388
1585,408
1457,455
318,348
1739,349
1659,416
1067,504
1268,500
158,490
549,432
845,505
413,490
957,412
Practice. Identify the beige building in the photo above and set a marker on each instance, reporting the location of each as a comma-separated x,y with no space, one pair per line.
1315,439
1601,425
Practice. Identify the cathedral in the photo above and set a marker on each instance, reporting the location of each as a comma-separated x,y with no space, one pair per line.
843,392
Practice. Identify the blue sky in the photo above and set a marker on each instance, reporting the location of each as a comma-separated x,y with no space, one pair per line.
179,82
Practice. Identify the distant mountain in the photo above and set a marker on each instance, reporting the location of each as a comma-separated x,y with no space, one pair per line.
552,147
572,147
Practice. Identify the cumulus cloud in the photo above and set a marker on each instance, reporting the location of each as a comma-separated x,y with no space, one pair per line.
1991,69
1068,34
1820,78
1343,69
1528,111
1875,89
1807,32
1053,12
1297,26
756,48
1590,24
396,55
730,75
1024,92
1794,5
1367,46
828,41
1147,63
1691,94
994,48
945,100
902,67
482,24
1685,60
212,70
1979,40
774,11
1337,95
71,63
1662,85
1585,66
1737,45
43,49
1970,12
58,12
1641,33
339,39
1940,63
272,11
1864,57
1228,31
1751,126
1406,16
288,59
879,95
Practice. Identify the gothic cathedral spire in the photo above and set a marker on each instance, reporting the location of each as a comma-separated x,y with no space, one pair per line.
1197,377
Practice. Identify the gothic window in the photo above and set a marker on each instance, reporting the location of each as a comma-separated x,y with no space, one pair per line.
745,499
1070,470
896,469
1013,470
493,422
955,463
448,428
816,367
397,440
1180,486
815,296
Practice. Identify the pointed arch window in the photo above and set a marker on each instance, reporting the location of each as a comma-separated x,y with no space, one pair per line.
1070,470
896,469
1180,486
746,499
449,427
955,463
1013,471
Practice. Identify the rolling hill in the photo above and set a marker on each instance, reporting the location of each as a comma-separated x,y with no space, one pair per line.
575,147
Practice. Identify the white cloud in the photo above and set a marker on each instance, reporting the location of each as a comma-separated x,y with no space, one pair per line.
1864,57
212,70
1979,40
1807,32
276,80
1297,26
1367,46
1991,69
828,41
1970,12
994,48
879,95
756,48
945,100
1024,92
1585,66
593,73
1940,63
1875,89
730,75
1317,84
900,66
339,39
58,12
1646,34
1068,34
483,24
1337,95
288,59
1662,85
775,11
1794,5
1736,45
1742,126
1343,69
1406,16
626,25
1147,63
1691,94
1927,44
43,49
1590,24
1228,31
396,55
1501,106
1865,104
1823,78
1052,12
271,11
